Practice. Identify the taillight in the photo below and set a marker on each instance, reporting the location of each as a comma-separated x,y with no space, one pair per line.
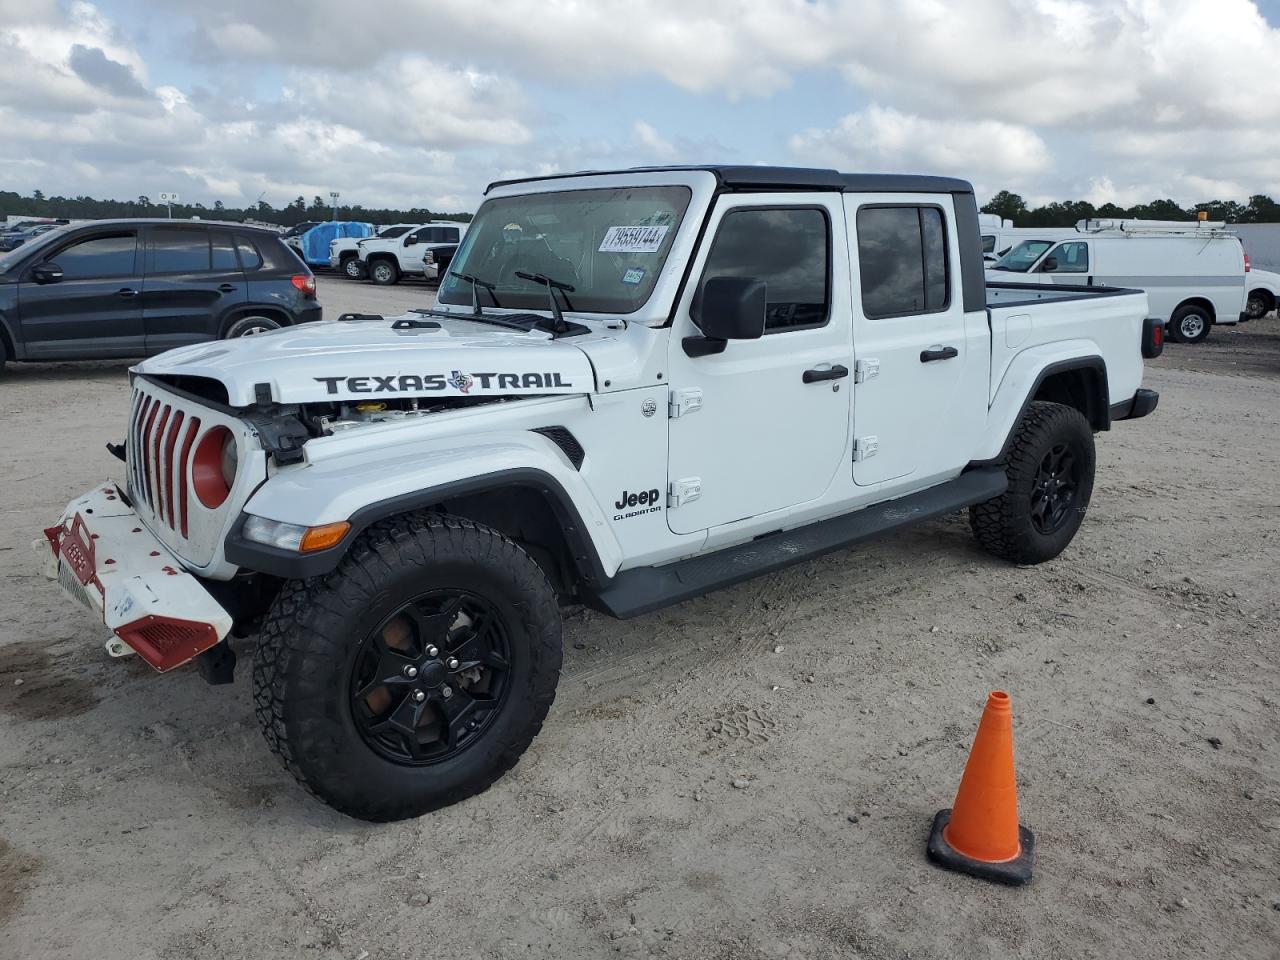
1152,337
1246,263
304,282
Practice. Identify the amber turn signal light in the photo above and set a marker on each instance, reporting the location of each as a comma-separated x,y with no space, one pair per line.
323,537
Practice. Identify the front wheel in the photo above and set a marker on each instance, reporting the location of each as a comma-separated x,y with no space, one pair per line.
250,326
1050,468
383,272
415,674
352,268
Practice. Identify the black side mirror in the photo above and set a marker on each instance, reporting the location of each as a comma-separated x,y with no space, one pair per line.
1050,264
46,273
728,308
411,241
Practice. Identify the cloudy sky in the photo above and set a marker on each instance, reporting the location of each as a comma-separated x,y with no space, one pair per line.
421,102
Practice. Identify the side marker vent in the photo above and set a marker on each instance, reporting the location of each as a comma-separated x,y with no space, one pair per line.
567,442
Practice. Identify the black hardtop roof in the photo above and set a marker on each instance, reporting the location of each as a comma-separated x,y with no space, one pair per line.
744,177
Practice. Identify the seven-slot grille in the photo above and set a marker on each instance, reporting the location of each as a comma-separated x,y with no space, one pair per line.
162,438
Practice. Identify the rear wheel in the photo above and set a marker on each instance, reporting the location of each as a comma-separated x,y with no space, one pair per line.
1050,467
1189,324
415,674
352,268
383,272
249,326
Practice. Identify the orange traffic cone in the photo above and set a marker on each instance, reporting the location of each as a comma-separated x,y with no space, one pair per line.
980,834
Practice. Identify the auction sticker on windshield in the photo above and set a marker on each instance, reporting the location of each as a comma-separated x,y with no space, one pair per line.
641,239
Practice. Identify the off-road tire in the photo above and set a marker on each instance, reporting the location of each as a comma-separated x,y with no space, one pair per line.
250,326
352,268
1195,332
384,272
303,664
1003,526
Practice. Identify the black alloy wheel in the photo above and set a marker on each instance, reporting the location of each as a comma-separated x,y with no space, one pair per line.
431,677
1053,494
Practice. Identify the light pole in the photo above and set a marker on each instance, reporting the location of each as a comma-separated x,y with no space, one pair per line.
333,195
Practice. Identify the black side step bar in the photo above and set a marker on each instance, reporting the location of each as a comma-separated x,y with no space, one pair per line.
645,589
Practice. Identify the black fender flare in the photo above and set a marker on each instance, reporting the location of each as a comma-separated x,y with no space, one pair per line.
289,565
1102,404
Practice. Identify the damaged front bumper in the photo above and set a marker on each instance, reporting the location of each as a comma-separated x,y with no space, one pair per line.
106,560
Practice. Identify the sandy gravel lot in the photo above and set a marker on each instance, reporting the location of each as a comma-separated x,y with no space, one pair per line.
142,817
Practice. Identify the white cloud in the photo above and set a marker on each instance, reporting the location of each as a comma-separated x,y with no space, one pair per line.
426,100
880,139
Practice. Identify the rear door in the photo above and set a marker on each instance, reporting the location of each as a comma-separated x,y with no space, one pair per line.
95,309
192,279
922,362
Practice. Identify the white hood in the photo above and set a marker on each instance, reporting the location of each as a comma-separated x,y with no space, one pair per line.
369,360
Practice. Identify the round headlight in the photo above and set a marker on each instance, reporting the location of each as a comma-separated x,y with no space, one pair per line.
213,468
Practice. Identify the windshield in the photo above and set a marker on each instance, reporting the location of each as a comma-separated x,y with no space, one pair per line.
392,232
9,258
1021,257
607,245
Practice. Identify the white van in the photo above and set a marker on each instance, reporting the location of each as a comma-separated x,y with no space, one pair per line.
1193,274
1001,240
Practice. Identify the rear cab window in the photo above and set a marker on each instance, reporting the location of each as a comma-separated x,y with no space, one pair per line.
177,250
789,248
902,260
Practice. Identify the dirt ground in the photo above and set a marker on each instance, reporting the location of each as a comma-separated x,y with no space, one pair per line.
142,817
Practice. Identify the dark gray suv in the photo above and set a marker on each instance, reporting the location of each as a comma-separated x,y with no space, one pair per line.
132,288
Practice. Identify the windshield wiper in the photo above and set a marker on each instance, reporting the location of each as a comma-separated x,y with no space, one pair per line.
476,282
552,286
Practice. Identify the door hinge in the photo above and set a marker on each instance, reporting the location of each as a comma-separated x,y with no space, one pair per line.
683,401
865,370
684,491
865,447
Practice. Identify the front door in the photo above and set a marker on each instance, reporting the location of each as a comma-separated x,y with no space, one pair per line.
192,279
922,395
95,309
756,434
1070,263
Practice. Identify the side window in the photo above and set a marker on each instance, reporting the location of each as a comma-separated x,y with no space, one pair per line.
250,258
902,259
1072,257
178,251
224,252
450,235
789,249
102,256
988,244
420,235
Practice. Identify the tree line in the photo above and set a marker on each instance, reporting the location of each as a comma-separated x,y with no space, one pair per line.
1065,213
89,208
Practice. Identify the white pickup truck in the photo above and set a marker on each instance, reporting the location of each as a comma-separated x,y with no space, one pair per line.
387,261
344,252
665,381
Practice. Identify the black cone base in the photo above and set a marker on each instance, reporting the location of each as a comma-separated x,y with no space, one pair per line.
1013,873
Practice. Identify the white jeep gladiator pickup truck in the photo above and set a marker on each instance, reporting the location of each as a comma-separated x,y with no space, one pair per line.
635,387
